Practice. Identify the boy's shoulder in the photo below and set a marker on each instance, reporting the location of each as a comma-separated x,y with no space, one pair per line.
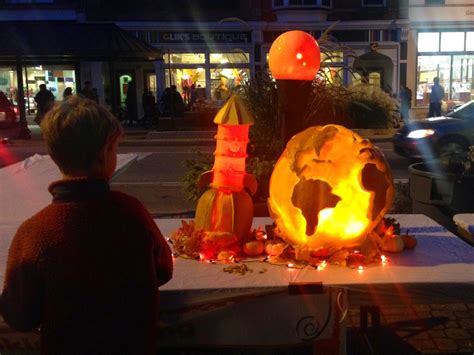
129,205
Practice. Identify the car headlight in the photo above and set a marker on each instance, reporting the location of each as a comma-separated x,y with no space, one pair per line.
421,133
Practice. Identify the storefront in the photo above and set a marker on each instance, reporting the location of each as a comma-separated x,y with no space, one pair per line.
441,44
448,55
211,74
203,64
56,77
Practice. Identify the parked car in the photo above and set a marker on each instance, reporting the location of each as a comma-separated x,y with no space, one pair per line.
9,113
437,136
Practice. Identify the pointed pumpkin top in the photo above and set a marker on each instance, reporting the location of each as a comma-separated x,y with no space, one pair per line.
234,113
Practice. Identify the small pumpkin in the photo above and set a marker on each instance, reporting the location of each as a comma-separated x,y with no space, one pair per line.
253,247
274,247
393,244
409,241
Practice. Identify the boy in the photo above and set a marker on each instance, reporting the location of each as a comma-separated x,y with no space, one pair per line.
87,267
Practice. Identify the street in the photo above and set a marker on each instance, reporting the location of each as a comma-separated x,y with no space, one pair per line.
155,178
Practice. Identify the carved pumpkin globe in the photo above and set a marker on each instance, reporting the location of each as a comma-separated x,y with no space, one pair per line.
329,188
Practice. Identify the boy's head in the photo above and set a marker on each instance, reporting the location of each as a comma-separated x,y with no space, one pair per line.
82,138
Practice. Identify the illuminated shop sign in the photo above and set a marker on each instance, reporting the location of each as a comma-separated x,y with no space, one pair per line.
204,37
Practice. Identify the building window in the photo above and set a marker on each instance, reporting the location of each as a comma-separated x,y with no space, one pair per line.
373,2
332,57
469,41
428,42
9,83
452,41
184,79
232,58
430,67
185,58
435,2
225,80
456,71
56,77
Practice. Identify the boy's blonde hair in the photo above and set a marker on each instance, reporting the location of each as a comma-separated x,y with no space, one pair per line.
76,131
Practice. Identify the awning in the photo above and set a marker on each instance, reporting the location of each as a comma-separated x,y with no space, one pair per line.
72,40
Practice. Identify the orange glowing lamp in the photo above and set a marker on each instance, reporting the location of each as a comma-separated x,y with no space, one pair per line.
227,206
294,55
294,60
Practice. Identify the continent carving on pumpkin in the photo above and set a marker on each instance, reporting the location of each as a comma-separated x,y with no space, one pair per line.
310,207
375,180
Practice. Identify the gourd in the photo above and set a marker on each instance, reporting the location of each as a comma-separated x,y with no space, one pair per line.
393,244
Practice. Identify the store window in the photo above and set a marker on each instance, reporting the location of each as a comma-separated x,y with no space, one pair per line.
374,78
231,58
333,75
332,57
452,41
430,67
455,70
56,78
428,42
462,78
224,81
331,67
184,79
185,58
469,41
9,83
150,82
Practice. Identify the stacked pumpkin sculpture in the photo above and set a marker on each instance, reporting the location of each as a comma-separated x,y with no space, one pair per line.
225,210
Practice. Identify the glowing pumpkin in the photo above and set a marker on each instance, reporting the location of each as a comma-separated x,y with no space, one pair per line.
329,188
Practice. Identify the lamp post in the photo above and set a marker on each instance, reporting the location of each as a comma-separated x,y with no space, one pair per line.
294,60
25,133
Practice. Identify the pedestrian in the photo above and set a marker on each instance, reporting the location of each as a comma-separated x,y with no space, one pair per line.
88,92
405,96
165,102
44,102
86,269
193,95
177,103
67,93
149,107
436,96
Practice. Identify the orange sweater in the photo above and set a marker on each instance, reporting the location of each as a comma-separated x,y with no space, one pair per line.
86,269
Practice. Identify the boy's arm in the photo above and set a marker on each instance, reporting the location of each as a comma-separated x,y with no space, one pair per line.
162,255
22,297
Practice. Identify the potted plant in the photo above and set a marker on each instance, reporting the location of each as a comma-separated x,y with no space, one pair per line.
445,187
